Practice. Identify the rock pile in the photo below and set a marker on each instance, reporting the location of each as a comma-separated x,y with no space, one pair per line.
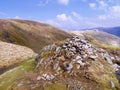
73,58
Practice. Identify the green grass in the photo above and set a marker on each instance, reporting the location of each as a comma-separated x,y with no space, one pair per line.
10,77
110,47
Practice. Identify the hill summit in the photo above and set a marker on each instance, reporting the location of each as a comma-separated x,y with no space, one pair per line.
73,64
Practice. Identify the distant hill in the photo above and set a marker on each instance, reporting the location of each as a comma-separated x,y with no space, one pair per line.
32,34
112,30
99,37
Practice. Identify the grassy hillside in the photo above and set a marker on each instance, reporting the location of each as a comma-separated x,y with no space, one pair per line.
11,55
28,33
12,76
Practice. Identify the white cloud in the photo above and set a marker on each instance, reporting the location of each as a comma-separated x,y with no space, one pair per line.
102,4
113,13
99,5
115,9
17,17
74,20
114,1
110,16
64,2
92,5
75,14
63,17
102,17
63,21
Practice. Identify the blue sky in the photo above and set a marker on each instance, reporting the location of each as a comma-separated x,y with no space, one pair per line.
65,14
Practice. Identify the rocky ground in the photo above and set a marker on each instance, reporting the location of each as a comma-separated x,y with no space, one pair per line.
74,64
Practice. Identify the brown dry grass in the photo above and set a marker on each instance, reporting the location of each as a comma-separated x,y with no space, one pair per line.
32,34
11,54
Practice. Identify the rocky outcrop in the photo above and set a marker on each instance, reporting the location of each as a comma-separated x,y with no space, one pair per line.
79,65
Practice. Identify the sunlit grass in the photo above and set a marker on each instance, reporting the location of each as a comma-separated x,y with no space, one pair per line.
110,47
9,78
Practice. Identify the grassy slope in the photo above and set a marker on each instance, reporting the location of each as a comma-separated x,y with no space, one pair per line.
10,54
30,33
10,77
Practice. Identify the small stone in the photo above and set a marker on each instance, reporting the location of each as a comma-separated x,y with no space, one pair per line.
80,62
83,41
82,52
107,58
78,58
52,77
116,67
66,43
44,75
78,66
67,67
70,42
73,49
56,65
69,45
92,57
61,58
101,50
20,84
112,58
90,50
64,46
58,50
112,84
77,40
73,60
117,58
38,78
48,77
58,69
84,56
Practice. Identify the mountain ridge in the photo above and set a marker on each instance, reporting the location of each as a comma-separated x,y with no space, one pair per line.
28,33
111,30
99,36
